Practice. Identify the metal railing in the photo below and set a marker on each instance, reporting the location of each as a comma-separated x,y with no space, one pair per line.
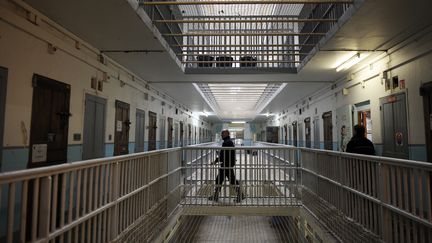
125,198
256,176
130,198
389,197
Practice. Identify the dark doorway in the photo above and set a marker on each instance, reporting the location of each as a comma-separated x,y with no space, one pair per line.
176,135
272,134
328,130
195,135
139,130
122,126
316,125
152,131
426,91
189,134
49,122
162,141
94,127
3,91
307,123
294,127
181,134
394,126
170,132
285,134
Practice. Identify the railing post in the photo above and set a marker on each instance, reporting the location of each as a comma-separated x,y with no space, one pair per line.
45,206
114,196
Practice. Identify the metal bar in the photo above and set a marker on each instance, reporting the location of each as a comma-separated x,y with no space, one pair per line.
272,20
241,62
251,54
248,34
244,45
144,3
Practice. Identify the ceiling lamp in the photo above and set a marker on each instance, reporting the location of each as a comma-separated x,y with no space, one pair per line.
358,57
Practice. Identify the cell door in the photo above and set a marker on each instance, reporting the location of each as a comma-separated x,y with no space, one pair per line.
272,134
139,130
294,126
426,91
176,135
195,135
162,141
290,135
285,134
49,122
189,134
181,134
170,132
300,131
307,123
394,126
3,87
94,127
122,127
152,131
328,130
316,125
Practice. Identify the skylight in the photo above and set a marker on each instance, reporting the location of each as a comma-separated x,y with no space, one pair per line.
238,101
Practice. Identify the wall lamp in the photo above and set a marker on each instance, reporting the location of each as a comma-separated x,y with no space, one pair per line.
358,57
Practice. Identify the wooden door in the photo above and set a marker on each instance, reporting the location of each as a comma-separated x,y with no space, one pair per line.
394,126
152,131
139,130
94,127
426,91
49,122
3,87
294,126
328,130
122,127
181,139
170,132
307,123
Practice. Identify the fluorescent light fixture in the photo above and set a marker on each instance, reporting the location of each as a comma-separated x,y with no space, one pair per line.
238,122
358,57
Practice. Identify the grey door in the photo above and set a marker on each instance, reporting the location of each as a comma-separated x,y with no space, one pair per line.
294,133
316,132
300,132
290,135
94,127
139,131
394,126
3,87
162,133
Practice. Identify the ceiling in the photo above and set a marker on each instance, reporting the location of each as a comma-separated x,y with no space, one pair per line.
114,25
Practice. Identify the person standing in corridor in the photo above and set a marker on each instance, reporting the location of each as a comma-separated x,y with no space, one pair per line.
359,144
227,159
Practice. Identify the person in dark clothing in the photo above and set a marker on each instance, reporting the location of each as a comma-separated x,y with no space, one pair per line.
359,144
227,158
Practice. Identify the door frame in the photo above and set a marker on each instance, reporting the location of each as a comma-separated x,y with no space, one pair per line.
139,111
325,115
3,94
427,110
104,118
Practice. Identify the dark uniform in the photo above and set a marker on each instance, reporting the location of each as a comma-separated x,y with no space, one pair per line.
360,145
227,159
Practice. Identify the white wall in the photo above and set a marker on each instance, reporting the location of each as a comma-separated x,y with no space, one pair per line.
24,52
410,61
